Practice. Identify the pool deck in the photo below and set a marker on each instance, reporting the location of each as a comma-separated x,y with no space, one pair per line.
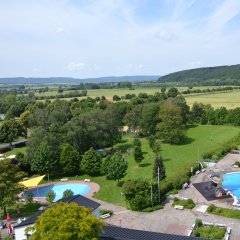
94,188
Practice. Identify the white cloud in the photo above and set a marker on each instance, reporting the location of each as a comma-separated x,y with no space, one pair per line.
60,30
73,66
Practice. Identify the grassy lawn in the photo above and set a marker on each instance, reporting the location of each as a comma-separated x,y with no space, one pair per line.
210,232
15,151
175,158
224,212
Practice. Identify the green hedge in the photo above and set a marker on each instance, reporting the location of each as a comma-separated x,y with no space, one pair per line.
225,212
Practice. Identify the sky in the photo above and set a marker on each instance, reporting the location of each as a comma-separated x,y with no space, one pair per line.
93,38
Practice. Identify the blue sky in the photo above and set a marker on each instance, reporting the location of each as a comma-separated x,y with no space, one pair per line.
91,38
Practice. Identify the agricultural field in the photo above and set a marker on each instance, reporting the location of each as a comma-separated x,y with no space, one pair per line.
229,100
175,157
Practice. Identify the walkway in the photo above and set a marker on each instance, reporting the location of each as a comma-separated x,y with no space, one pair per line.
167,220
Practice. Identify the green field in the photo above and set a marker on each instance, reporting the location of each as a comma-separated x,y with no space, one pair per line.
229,99
175,157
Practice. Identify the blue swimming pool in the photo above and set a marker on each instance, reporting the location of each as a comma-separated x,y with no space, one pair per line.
77,188
232,183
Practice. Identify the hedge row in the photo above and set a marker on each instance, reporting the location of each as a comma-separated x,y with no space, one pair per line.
178,179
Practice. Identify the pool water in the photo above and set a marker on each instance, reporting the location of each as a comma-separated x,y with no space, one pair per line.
232,183
77,188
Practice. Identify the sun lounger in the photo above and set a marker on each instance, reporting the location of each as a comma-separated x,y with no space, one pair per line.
178,207
64,179
86,180
107,215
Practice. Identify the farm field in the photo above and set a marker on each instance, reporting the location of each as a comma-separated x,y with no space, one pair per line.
175,157
229,100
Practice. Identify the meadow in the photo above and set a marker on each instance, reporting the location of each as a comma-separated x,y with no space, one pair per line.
200,140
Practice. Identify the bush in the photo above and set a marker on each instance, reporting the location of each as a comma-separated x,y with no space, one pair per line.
50,196
150,209
210,232
198,222
67,193
189,204
180,181
211,208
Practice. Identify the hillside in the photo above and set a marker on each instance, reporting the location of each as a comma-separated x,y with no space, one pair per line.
61,80
221,75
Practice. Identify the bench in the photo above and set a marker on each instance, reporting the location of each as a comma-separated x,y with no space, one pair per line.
178,207
64,179
107,215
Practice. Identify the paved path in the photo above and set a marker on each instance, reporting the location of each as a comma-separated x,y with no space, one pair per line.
167,220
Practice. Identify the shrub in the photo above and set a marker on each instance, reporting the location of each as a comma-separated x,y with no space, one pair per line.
180,181
189,204
198,222
210,232
150,209
67,193
211,208
50,196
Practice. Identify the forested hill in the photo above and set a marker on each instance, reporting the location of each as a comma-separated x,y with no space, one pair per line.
222,75
57,80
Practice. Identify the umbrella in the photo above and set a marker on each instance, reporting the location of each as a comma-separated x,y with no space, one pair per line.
8,218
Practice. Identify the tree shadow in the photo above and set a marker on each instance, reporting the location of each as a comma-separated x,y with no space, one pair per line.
144,153
120,183
185,141
123,141
167,159
191,126
144,164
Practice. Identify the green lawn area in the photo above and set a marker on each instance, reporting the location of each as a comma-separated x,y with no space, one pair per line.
15,151
175,158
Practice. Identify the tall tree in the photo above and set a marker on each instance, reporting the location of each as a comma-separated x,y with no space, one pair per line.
117,167
91,163
44,160
9,187
138,155
69,159
11,130
76,223
158,164
171,128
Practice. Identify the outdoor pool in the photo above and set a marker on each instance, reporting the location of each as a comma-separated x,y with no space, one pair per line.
232,183
77,188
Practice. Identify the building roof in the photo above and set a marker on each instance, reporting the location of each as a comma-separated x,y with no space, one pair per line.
118,233
30,220
81,201
78,199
